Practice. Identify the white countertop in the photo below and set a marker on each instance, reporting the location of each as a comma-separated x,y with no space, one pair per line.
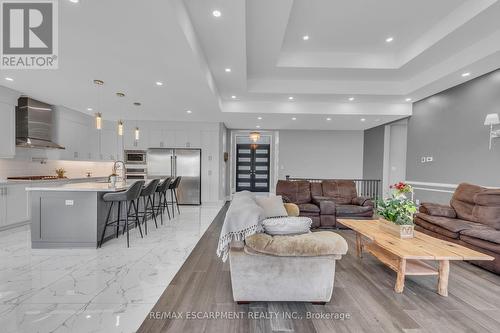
4,182
82,187
85,187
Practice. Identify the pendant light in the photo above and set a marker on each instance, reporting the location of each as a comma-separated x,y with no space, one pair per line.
98,121
120,127
254,136
136,133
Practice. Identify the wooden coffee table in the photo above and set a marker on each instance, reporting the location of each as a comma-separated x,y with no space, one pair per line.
408,256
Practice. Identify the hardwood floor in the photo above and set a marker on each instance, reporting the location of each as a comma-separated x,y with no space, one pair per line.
363,291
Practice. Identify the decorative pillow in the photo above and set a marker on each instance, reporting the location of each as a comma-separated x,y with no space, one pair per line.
272,206
287,225
292,209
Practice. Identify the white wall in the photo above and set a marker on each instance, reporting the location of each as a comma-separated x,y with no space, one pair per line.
321,154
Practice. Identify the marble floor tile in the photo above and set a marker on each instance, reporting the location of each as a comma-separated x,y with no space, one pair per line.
110,289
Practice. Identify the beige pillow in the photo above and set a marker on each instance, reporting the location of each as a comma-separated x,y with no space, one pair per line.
272,206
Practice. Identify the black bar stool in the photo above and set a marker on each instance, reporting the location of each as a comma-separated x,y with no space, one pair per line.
147,195
161,191
128,197
173,194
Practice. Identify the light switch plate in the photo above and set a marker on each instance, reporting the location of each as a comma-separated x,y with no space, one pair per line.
422,160
429,159
69,202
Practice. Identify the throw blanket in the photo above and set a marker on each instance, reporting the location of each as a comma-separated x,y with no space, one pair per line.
243,218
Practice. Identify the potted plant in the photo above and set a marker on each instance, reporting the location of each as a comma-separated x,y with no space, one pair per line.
398,210
60,173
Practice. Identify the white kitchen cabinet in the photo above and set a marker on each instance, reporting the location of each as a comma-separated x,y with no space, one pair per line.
14,205
156,139
18,204
181,138
7,131
109,140
129,141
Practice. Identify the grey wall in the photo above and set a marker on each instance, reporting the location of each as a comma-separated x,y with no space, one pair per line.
373,153
449,127
320,154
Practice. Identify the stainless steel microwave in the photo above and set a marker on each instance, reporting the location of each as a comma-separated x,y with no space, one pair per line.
135,157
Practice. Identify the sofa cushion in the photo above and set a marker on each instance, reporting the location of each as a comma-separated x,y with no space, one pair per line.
316,189
294,191
483,232
308,208
437,210
434,229
353,210
453,225
481,244
463,201
272,206
322,243
287,225
292,209
340,191
487,209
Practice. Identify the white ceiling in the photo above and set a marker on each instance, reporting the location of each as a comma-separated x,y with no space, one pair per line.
132,44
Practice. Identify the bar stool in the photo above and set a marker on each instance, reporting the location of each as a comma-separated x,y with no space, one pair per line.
161,191
129,198
173,194
147,195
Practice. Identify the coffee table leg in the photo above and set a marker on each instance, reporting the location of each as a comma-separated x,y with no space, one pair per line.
444,272
359,245
400,279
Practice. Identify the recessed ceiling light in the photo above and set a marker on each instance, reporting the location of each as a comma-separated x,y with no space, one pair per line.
159,83
290,98
216,13
137,103
9,79
351,99
120,94
228,70
233,97
89,109
74,1
363,119
389,39
466,74
294,118
189,111
260,118
258,126
328,118
408,99
305,37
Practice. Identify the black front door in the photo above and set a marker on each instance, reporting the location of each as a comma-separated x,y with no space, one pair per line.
252,167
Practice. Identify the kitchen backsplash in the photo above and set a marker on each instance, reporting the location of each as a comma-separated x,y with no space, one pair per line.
75,169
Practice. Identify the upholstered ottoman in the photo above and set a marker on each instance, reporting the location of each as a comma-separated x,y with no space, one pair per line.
297,268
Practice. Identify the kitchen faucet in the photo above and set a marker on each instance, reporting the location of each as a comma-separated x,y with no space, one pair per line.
120,178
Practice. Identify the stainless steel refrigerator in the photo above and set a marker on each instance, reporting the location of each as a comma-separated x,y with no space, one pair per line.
173,162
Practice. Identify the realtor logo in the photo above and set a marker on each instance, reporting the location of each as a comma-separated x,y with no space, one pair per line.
29,38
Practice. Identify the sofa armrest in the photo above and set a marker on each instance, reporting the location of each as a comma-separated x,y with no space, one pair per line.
327,207
362,201
434,209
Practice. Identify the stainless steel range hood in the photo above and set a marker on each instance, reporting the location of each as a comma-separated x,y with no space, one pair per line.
34,124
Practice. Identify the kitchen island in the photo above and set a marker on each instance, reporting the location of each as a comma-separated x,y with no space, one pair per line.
71,215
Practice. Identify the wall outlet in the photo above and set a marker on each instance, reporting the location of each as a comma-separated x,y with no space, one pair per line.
69,202
422,159
429,159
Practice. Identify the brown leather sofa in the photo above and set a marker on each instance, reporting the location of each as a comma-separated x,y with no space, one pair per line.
471,220
324,201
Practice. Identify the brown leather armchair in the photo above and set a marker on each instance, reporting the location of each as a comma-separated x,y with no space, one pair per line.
324,201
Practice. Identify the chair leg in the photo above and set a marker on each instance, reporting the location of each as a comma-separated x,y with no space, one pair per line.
126,223
106,224
165,204
137,222
144,220
118,221
159,210
152,211
176,201
172,201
